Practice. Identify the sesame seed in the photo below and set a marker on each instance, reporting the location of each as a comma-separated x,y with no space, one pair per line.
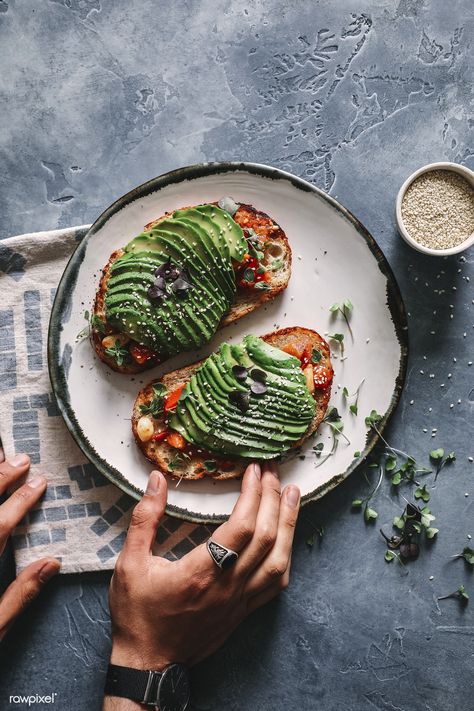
438,209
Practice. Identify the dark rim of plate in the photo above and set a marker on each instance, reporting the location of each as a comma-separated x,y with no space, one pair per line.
68,280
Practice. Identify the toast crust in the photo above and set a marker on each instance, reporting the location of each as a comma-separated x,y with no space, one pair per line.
161,453
246,301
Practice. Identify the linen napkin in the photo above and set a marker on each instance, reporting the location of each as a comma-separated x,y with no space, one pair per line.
83,518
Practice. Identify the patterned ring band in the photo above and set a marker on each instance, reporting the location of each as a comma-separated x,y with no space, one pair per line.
223,557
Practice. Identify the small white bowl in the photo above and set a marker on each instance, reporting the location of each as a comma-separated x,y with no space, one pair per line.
455,167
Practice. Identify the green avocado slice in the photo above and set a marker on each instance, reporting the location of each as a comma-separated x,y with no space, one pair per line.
229,229
274,420
222,267
213,229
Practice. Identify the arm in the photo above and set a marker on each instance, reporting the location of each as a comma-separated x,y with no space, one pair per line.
30,581
164,612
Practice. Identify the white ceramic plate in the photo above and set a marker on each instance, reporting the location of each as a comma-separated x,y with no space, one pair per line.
334,258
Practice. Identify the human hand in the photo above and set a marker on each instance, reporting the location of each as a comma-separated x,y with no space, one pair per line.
29,582
181,611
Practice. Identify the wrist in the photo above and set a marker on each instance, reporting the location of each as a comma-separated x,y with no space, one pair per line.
127,655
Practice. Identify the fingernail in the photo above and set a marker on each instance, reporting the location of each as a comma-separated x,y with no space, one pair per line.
36,481
48,571
256,469
19,460
153,483
292,496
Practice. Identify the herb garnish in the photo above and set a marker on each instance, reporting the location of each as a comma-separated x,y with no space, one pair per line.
437,455
210,465
339,337
240,399
467,554
354,406
345,309
333,419
169,278
93,321
119,353
459,594
316,356
155,406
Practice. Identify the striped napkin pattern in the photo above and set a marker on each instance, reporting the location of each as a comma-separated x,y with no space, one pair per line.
83,518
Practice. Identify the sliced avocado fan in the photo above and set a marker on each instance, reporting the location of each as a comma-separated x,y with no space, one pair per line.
172,286
249,400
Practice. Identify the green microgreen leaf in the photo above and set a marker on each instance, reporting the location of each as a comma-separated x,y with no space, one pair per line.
345,392
119,353
357,503
316,356
353,408
431,532
389,556
390,463
210,465
156,404
369,514
248,275
399,522
372,419
437,454
422,493
396,478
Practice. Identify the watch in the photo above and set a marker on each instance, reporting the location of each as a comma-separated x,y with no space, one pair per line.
167,690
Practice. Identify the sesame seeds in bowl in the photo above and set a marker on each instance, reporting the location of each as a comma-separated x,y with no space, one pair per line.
435,209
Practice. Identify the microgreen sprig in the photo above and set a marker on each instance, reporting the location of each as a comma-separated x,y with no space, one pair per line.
459,594
120,354
467,554
339,338
346,395
156,404
437,455
358,504
345,309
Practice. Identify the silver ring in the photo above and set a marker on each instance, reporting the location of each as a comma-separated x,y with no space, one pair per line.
223,557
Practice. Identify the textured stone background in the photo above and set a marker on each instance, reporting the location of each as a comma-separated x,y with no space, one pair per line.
100,95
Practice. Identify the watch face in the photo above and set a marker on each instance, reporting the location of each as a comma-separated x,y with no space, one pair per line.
174,690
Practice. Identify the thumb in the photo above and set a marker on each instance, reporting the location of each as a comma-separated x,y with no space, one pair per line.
24,589
147,515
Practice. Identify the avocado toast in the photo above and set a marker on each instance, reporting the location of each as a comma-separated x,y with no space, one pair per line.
189,273
254,400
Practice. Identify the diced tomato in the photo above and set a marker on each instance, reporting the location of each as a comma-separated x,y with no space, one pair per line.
160,436
171,400
140,353
252,264
322,377
294,349
176,440
307,354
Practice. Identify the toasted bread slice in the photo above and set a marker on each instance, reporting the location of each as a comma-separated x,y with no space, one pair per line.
247,299
161,453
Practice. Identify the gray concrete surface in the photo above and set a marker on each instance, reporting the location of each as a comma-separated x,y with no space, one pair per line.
100,95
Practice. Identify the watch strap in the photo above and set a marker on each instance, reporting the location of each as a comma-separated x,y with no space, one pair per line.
134,684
